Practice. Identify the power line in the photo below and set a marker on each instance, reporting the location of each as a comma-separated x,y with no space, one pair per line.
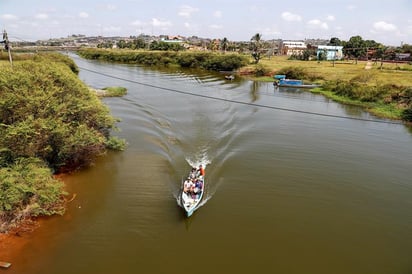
243,103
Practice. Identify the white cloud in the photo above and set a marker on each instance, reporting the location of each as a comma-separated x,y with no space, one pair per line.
9,17
41,16
217,14
330,18
215,26
351,7
270,32
111,29
137,23
383,26
159,23
83,14
110,7
291,17
316,23
186,11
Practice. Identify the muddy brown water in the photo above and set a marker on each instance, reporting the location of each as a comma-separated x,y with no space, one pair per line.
287,192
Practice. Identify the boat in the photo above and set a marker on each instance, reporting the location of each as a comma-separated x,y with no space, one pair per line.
282,81
230,77
192,190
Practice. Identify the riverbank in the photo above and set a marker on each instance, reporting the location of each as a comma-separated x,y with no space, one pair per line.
383,89
50,123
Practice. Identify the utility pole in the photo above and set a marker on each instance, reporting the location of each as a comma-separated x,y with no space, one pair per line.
7,46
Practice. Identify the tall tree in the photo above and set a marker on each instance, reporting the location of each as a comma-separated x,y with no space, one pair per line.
224,44
355,47
334,41
255,46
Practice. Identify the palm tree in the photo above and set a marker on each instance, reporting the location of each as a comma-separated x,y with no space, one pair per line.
256,46
224,44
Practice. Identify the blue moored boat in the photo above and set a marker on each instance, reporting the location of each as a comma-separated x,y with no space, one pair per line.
281,81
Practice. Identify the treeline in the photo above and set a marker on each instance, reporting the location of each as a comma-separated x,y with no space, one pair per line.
49,122
140,43
357,48
203,60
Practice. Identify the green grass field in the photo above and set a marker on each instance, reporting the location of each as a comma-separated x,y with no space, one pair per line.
391,73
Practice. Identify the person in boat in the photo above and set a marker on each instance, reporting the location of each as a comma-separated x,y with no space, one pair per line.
188,186
200,171
198,186
193,173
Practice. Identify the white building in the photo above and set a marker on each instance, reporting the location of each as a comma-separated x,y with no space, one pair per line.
292,47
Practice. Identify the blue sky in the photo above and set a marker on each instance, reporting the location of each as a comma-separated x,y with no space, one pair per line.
385,21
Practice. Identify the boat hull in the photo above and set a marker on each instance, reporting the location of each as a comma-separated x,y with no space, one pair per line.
192,191
190,203
281,81
297,86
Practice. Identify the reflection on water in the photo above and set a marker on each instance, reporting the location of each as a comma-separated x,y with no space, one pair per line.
286,192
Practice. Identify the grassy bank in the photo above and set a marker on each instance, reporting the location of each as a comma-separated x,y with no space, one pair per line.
382,89
385,89
389,73
49,122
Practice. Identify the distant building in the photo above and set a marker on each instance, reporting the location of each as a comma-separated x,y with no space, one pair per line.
331,52
172,39
403,56
292,47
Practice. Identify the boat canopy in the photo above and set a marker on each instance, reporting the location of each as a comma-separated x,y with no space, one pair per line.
279,76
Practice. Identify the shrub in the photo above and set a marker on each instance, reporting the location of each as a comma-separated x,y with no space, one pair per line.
294,73
115,91
42,106
407,115
49,122
28,190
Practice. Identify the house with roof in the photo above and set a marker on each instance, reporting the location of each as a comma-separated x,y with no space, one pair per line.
292,47
330,52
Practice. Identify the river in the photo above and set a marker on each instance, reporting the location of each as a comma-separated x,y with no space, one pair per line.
295,183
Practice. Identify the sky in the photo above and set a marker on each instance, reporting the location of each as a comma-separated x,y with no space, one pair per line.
386,21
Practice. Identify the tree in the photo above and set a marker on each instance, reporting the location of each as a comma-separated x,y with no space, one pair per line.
139,43
355,47
224,44
255,46
334,41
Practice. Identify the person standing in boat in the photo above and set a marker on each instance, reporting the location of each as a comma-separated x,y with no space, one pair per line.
201,171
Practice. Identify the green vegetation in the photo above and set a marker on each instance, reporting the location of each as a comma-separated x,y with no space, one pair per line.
49,122
110,92
384,89
204,60
28,190
256,47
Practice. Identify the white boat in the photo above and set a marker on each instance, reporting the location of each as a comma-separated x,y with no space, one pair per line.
191,197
